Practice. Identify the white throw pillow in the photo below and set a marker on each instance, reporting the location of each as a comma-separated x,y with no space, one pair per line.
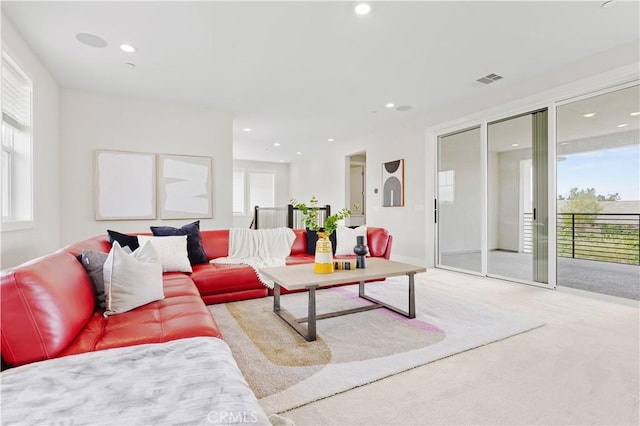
171,250
131,280
346,239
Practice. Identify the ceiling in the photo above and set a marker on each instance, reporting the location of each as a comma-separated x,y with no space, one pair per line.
301,73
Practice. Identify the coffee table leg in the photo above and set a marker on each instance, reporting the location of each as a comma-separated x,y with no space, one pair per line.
276,297
361,289
311,324
412,297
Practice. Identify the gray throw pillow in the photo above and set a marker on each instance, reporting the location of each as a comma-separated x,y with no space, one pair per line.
93,263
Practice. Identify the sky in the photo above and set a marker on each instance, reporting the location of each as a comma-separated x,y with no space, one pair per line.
608,171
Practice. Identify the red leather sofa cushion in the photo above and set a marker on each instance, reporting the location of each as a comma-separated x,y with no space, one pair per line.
179,315
379,242
215,243
99,243
299,246
45,304
216,278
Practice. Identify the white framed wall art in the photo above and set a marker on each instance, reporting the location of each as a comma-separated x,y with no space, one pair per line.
125,185
185,187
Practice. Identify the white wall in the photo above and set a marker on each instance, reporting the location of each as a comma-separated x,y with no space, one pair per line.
90,121
326,177
44,237
283,195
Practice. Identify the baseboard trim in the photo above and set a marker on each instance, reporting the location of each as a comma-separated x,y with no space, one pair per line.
411,260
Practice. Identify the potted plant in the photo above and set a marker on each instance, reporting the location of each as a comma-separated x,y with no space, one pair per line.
324,251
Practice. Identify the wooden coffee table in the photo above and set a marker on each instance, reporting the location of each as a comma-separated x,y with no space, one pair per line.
299,277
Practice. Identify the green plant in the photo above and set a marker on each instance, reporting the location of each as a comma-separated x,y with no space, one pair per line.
310,216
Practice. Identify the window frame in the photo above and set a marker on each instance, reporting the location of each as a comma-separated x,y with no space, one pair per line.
246,173
21,211
244,192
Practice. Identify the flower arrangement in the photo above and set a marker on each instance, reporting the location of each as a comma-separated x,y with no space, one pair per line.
310,215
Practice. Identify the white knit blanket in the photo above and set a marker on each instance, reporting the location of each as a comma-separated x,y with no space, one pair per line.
259,248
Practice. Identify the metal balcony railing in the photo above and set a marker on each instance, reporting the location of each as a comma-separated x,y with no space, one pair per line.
527,233
290,216
607,237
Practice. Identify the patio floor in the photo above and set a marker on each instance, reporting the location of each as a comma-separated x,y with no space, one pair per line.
613,279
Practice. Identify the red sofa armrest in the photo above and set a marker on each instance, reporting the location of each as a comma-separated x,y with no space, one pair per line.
387,252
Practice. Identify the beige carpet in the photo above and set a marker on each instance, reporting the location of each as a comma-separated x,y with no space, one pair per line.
581,368
287,372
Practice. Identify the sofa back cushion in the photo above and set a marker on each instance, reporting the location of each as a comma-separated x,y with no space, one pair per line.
215,243
45,303
378,240
300,243
99,243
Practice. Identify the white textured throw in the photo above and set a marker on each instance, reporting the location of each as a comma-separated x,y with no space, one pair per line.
192,381
259,248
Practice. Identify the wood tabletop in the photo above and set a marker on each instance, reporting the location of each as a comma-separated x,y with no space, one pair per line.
297,277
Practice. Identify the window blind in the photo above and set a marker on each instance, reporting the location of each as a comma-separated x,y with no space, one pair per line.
261,189
16,95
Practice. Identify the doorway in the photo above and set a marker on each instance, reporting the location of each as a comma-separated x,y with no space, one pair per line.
356,188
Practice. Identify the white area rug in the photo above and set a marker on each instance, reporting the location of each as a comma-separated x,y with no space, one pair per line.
356,349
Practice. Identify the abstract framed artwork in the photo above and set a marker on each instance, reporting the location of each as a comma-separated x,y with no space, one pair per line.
393,183
185,187
125,185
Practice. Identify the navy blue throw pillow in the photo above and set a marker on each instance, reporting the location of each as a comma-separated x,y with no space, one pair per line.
312,239
195,251
124,240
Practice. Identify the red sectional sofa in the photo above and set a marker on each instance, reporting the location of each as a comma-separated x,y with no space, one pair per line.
48,310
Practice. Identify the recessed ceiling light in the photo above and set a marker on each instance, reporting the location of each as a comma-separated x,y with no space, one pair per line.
564,143
127,48
362,8
515,144
608,4
403,108
91,40
299,153
390,105
276,144
623,125
246,129
330,139
635,113
589,115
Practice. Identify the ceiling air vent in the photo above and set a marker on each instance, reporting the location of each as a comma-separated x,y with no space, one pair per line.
488,79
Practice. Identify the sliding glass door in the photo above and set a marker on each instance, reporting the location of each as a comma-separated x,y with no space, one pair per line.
492,199
517,200
459,200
